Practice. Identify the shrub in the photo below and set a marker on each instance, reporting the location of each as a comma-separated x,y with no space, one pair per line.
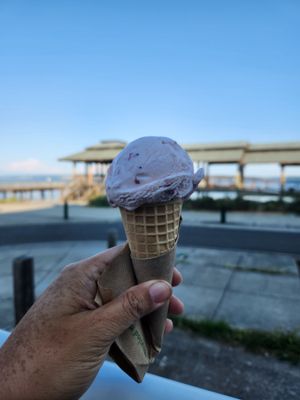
237,204
99,201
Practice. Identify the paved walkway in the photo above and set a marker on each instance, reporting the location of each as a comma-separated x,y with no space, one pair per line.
49,212
247,289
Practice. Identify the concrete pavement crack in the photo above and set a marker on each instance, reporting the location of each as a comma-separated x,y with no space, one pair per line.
226,287
56,262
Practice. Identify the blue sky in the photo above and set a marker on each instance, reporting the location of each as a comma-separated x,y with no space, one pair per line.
75,72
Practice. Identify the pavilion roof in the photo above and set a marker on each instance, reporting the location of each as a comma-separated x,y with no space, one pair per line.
287,153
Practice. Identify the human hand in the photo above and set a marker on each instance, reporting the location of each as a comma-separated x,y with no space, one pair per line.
58,347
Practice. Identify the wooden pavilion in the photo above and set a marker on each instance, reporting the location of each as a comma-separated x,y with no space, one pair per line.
98,157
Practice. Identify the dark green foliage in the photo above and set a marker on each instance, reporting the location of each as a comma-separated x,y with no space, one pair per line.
284,345
99,201
239,204
295,206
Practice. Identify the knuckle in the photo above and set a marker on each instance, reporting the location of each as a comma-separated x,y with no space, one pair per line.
70,273
71,270
69,267
133,306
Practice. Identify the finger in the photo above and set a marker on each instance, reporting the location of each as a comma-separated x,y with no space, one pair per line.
168,326
116,316
177,277
176,306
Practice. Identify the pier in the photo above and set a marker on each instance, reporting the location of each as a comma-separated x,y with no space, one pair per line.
18,190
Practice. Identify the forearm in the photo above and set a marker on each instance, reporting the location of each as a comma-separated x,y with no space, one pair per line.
24,374
18,380
39,367
11,380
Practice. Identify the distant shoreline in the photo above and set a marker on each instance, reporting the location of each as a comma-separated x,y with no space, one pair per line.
17,178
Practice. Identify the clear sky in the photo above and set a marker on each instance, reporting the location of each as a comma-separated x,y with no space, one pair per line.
75,72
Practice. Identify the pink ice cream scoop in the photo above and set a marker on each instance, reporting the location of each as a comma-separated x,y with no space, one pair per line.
151,170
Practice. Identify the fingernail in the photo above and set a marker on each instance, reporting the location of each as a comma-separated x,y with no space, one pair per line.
159,292
179,273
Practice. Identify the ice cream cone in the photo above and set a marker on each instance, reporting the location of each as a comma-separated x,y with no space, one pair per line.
148,180
152,230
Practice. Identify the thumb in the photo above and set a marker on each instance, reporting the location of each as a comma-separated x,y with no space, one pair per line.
116,316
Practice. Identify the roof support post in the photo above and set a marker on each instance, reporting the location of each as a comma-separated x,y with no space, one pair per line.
239,181
98,169
207,175
282,180
241,168
102,172
86,172
90,174
74,169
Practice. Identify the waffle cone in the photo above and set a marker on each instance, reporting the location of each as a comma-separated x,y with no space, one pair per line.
152,230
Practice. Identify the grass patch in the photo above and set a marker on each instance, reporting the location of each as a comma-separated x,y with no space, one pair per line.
283,345
9,200
262,270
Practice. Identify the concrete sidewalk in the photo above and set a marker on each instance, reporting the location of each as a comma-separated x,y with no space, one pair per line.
246,289
49,212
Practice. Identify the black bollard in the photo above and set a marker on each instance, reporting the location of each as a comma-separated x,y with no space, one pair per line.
298,265
223,215
112,238
66,210
23,276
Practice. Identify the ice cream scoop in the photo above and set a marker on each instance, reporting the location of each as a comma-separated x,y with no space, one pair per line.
151,170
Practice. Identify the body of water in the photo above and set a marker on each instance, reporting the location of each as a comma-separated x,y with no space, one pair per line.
33,178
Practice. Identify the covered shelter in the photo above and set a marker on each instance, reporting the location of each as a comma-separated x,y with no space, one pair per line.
284,154
244,153
99,155
219,153
239,153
